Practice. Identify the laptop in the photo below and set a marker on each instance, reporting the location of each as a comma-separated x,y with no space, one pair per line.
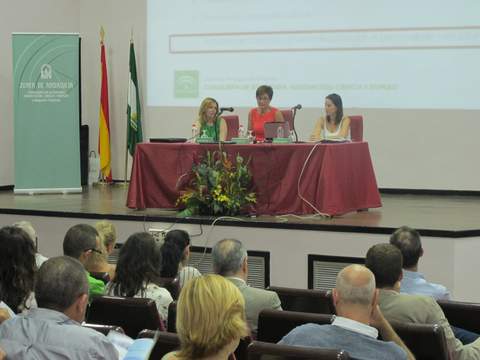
168,140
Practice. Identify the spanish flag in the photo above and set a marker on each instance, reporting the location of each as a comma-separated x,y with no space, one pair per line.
104,122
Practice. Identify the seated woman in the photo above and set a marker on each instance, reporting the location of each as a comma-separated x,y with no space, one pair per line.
17,269
138,272
334,126
98,263
175,254
210,319
263,113
209,123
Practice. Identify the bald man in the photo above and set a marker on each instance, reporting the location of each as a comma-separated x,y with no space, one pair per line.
358,323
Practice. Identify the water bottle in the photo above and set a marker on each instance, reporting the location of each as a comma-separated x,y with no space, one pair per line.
292,136
280,133
241,131
194,131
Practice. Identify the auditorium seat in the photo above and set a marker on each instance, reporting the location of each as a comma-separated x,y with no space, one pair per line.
259,350
233,124
273,325
288,117
464,315
165,343
168,341
104,276
312,301
172,317
104,329
131,314
171,284
425,341
356,128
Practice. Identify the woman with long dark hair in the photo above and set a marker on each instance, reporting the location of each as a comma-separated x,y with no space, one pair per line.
138,272
334,126
17,268
175,254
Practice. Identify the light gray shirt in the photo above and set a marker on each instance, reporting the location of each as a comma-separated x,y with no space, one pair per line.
49,334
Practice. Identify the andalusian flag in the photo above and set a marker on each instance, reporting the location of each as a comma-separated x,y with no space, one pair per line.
134,115
104,122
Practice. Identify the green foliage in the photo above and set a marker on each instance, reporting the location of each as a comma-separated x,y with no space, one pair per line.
217,186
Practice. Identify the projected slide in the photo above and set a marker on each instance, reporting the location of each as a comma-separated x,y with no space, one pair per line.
376,54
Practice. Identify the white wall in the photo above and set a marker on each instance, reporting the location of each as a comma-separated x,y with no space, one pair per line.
424,149
25,16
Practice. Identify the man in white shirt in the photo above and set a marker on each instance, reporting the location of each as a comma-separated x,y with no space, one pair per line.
53,330
230,260
355,328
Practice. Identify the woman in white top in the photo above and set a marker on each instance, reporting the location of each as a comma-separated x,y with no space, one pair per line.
175,254
138,272
334,126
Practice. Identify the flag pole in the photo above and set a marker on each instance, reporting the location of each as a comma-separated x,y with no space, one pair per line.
101,179
128,120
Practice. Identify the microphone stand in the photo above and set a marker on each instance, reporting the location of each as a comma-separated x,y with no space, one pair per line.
293,122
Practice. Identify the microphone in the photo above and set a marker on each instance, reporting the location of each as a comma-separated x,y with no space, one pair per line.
297,107
229,109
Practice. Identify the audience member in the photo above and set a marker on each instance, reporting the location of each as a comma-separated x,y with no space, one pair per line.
53,331
80,242
175,254
355,326
17,269
210,319
138,272
30,230
407,240
385,261
230,260
98,263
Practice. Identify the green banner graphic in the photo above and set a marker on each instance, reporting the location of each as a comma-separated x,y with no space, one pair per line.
46,112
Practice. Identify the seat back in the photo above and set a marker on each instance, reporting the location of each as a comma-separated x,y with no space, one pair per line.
425,341
131,314
273,325
233,123
271,128
288,117
103,329
104,276
166,342
172,317
171,284
259,350
303,300
356,128
464,315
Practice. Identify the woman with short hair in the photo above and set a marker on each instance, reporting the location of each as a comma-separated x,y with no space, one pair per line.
263,113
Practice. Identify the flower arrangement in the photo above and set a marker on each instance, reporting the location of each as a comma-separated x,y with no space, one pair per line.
217,186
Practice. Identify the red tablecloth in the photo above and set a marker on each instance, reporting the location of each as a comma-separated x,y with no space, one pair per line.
338,178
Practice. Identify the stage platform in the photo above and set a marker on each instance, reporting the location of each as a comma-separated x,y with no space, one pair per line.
449,225
433,215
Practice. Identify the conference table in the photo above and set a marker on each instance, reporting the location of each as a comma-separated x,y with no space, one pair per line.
337,178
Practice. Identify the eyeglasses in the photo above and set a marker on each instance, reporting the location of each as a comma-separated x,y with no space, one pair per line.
93,250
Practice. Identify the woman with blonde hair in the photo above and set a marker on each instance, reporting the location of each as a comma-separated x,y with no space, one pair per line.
210,319
208,121
98,263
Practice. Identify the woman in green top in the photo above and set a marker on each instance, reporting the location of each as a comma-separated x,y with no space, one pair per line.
209,123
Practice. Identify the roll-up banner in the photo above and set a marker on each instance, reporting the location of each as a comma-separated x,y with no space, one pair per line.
46,112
